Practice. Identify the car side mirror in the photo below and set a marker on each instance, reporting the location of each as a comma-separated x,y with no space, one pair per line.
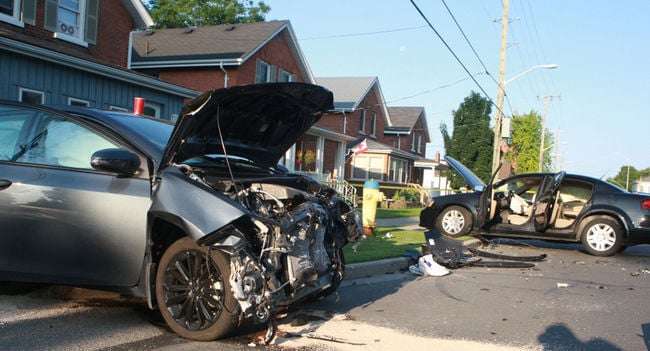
120,161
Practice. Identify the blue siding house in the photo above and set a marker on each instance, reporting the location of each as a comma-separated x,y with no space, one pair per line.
55,54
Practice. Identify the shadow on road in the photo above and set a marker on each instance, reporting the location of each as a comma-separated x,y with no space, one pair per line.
560,337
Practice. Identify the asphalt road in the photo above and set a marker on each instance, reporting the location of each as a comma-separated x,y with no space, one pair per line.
571,301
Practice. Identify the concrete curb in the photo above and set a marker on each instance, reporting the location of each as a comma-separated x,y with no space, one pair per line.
370,268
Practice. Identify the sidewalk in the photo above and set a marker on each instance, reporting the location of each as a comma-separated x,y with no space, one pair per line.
391,265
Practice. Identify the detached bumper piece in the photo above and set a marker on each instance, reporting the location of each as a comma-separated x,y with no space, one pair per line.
453,254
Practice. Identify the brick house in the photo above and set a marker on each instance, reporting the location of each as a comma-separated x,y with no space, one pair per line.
396,136
76,53
211,57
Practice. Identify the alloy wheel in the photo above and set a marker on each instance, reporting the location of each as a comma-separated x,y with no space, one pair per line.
193,290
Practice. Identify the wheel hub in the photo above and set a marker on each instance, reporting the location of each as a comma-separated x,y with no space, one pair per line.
601,237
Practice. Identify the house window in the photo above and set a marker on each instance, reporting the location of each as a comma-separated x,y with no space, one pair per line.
362,121
368,167
398,171
284,76
10,12
419,144
69,18
73,20
18,12
373,124
152,109
412,142
264,72
78,102
31,96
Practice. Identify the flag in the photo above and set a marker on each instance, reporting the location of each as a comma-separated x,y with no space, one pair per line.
360,148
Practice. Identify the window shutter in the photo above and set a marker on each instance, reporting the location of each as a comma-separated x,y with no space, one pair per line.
92,16
51,9
29,12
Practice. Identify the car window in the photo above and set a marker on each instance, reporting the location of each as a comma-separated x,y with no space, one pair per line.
12,123
526,188
155,131
38,137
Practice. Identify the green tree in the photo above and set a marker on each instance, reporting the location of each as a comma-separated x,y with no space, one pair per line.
184,13
472,138
628,175
526,141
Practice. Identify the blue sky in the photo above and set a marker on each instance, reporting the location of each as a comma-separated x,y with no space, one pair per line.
600,89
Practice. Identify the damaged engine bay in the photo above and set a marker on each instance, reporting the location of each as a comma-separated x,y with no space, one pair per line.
290,245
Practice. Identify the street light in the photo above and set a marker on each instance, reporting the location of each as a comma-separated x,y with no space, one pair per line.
496,152
547,66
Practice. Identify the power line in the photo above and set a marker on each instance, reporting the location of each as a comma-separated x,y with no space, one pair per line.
434,89
453,53
363,34
469,43
476,54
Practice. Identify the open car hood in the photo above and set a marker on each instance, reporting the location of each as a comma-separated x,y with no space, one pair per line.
472,180
258,122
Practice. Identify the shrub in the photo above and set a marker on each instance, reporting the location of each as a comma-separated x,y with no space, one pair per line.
411,195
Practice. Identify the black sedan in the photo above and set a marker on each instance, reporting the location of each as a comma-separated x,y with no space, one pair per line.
550,206
197,218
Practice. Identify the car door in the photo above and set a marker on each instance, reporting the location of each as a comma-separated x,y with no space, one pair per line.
485,210
545,200
62,221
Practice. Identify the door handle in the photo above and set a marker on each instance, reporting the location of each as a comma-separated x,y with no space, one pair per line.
4,183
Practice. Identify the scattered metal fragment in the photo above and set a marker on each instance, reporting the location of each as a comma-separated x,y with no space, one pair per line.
332,339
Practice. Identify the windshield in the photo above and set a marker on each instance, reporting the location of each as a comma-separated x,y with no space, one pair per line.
155,131
219,161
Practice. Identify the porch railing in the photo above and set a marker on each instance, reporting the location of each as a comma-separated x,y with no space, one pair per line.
346,191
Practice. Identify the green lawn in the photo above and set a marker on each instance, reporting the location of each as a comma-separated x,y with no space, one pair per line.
376,247
398,212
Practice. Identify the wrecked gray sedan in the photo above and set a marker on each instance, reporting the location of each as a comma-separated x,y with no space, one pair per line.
197,218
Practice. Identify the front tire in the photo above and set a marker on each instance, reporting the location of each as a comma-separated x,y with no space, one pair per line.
193,291
602,236
454,222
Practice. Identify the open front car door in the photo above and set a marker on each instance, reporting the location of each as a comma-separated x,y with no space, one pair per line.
545,200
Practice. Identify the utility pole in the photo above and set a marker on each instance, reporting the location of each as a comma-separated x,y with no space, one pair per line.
541,144
496,152
557,142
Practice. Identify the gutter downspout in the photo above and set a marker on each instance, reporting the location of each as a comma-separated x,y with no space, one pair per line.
225,75
128,58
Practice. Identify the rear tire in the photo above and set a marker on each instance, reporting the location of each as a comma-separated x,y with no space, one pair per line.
602,236
193,291
454,222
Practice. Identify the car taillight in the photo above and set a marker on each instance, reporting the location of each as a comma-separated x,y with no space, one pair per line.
645,204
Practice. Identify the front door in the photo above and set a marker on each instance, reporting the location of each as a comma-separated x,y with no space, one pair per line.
485,210
545,200
62,221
